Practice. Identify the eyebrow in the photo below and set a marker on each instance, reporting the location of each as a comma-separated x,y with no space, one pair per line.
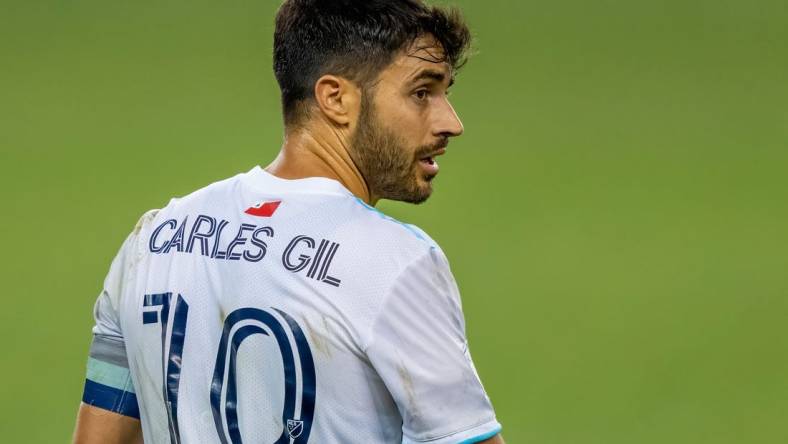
433,75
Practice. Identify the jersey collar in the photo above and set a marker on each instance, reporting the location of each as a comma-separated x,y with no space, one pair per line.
265,181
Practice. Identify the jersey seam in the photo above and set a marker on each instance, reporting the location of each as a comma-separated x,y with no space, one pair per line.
409,227
387,295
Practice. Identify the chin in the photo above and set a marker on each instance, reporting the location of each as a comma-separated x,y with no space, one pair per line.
416,199
423,193
415,195
416,189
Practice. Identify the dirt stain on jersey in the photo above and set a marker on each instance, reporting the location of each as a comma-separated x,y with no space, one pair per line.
222,315
138,252
407,383
147,217
320,336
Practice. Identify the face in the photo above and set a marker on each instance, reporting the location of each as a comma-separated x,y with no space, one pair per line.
405,122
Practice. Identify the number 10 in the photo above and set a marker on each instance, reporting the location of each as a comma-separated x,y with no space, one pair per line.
295,427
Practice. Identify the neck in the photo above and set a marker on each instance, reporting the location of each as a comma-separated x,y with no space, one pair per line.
319,152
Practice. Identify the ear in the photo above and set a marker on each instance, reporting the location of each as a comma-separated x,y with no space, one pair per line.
338,98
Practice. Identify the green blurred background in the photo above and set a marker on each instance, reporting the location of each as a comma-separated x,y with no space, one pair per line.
616,213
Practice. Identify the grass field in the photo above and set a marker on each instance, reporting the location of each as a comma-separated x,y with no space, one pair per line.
616,213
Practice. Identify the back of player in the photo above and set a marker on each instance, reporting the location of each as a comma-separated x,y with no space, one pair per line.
284,311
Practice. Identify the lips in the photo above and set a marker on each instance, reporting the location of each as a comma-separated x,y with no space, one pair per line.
428,162
430,157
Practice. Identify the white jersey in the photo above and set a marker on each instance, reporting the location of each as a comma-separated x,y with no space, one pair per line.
284,311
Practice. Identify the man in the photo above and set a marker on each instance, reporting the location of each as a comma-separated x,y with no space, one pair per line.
279,305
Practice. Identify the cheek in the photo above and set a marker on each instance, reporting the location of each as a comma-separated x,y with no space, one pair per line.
411,128
401,128
401,110
406,119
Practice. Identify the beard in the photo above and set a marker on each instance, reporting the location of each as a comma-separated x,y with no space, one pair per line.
389,167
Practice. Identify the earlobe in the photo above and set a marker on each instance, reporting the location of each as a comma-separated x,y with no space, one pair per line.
337,98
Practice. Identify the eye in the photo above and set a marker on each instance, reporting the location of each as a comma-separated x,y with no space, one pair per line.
421,94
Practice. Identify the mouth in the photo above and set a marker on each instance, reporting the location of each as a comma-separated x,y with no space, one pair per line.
430,156
428,162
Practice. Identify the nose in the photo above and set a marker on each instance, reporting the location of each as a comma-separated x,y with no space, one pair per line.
447,123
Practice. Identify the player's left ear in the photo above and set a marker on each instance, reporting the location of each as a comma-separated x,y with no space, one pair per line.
339,99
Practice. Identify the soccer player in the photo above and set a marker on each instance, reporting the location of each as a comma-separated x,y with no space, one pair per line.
278,306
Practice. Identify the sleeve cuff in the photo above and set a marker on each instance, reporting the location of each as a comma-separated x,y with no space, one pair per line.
110,398
469,436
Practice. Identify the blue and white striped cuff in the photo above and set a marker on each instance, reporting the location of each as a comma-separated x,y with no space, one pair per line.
108,382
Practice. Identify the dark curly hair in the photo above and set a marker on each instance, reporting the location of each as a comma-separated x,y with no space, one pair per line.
354,39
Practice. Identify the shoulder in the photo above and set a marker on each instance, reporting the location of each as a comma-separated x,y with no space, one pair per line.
388,249
403,234
177,206
145,220
135,245
207,196
388,265
381,244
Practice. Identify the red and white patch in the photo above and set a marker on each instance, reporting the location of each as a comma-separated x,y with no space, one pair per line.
264,209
